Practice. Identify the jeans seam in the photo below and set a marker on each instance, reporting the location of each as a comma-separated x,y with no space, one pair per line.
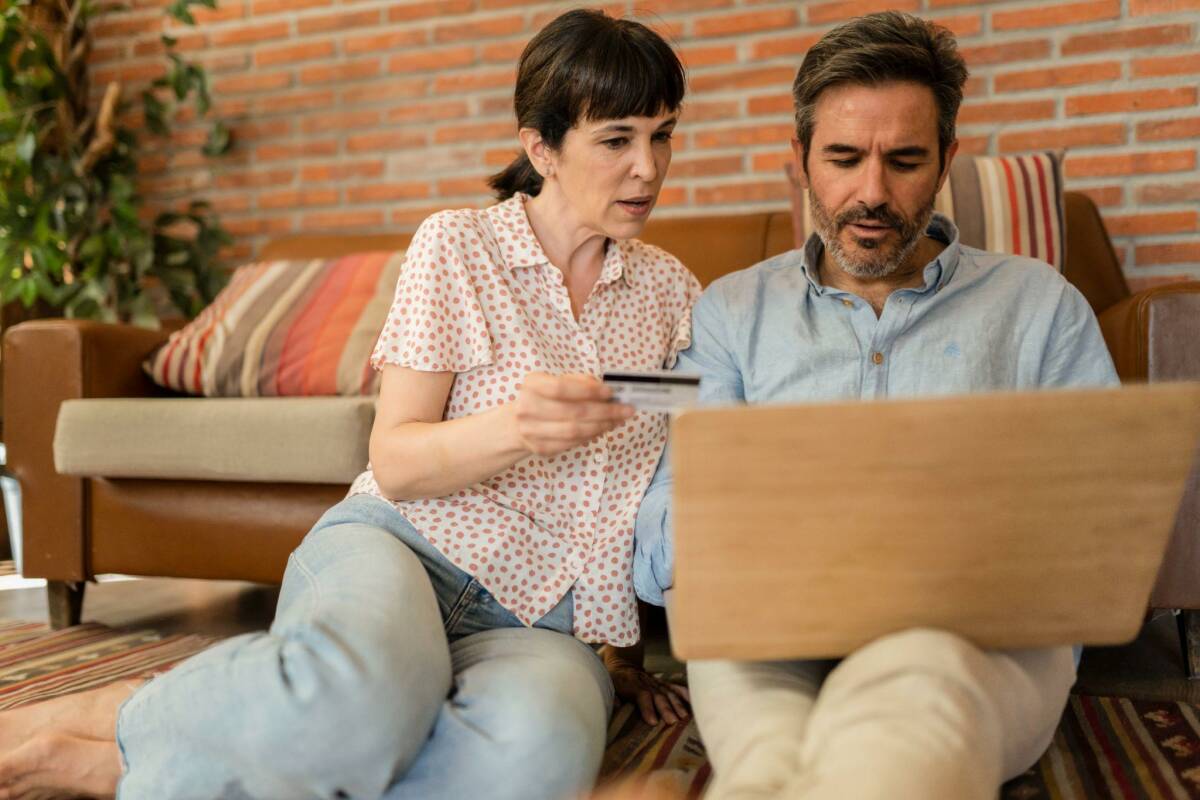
465,600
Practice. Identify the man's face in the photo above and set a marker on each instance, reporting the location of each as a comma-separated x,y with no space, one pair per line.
872,173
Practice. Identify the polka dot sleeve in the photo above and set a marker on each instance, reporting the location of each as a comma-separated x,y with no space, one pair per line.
436,323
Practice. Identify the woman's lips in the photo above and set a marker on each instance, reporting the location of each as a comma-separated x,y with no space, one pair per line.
638,207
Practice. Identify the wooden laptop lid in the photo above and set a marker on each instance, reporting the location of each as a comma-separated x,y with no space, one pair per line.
1014,519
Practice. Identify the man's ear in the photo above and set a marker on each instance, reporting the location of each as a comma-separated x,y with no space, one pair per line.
950,151
801,171
536,150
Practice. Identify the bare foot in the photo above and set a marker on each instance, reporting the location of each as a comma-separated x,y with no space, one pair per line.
55,765
89,715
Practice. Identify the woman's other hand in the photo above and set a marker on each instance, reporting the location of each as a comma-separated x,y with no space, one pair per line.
655,698
553,413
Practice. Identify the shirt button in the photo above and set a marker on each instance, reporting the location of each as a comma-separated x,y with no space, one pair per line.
847,303
877,358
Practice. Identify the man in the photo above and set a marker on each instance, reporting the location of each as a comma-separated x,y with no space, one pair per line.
882,301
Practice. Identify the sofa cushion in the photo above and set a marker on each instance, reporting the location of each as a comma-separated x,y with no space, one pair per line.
1005,204
285,328
291,440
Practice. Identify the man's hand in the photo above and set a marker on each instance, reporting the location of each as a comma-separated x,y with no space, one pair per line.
553,413
655,699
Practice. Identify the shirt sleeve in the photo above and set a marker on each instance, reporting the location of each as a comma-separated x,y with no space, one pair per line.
681,338
1075,354
710,356
436,322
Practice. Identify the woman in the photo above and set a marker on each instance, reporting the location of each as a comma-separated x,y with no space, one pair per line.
431,638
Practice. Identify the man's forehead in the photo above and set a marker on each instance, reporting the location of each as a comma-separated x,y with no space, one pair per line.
901,112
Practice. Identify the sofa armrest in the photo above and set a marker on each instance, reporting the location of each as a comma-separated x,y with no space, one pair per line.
1153,335
47,362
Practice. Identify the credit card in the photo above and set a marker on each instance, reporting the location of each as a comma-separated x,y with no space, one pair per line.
658,392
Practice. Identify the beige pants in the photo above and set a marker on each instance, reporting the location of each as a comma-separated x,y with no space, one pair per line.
921,714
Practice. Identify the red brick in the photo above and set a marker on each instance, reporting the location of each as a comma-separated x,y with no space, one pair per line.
1157,193
743,78
747,22
976,113
494,104
291,53
1046,78
263,7
383,43
1023,50
1166,65
427,60
409,218
302,101
676,6
116,52
176,184
502,52
1123,102
251,180
340,121
463,187
471,81
1104,196
1161,130
290,151
974,145
499,158
258,225
342,220
482,29
755,192
388,192
1130,163
952,3
129,73
976,86
224,62
1140,8
764,49
414,112
298,198
1170,253
961,26
249,34
615,10
246,131
1127,39
382,91
341,73
253,82
741,137
155,47
693,57
671,196
338,22
839,10
1056,15
478,132
224,12
340,170
704,111
406,12
1060,138
1151,224
127,25
706,166
772,162
231,203
385,141
771,104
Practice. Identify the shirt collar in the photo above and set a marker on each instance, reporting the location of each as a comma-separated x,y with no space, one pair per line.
937,272
519,247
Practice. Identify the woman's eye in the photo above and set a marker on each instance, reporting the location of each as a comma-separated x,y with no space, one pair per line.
614,144
663,136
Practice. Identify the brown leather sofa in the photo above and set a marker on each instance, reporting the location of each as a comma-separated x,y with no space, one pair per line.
79,527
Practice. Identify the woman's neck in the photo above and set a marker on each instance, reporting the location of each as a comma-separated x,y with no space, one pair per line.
570,245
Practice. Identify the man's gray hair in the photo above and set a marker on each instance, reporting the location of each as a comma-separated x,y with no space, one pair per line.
880,48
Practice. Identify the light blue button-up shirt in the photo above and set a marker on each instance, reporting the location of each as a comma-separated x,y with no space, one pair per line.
773,334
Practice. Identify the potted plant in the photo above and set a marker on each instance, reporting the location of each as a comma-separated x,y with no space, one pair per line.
73,235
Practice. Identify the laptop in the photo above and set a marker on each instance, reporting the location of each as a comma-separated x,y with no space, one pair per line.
1019,519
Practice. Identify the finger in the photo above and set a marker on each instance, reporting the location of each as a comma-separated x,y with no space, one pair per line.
567,387
682,691
567,434
678,705
663,705
544,408
645,704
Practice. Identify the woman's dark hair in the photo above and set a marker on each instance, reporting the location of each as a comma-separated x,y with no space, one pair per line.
586,65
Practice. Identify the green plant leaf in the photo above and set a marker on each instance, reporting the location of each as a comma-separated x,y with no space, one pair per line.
218,141
26,146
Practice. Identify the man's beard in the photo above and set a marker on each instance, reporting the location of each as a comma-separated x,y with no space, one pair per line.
869,261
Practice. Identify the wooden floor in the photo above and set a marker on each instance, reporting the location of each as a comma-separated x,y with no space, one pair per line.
1148,668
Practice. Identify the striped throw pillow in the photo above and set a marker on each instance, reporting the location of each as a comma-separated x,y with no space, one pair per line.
285,328
1005,204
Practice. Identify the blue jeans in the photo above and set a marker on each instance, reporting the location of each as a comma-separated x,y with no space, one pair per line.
387,672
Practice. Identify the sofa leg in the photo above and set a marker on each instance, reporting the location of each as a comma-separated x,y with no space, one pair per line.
65,599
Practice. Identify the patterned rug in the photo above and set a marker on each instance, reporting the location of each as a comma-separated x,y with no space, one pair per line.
1106,747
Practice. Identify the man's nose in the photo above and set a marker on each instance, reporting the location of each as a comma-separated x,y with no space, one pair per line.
873,189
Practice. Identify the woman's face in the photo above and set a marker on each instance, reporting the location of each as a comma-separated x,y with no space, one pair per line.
609,171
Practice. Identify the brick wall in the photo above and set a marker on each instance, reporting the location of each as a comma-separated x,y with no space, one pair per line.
366,115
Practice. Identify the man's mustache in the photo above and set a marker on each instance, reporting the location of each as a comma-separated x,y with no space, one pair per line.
881,215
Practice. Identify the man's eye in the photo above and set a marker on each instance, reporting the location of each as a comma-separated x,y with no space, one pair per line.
904,166
844,163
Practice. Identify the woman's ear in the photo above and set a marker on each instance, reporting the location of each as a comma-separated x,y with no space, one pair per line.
537,151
